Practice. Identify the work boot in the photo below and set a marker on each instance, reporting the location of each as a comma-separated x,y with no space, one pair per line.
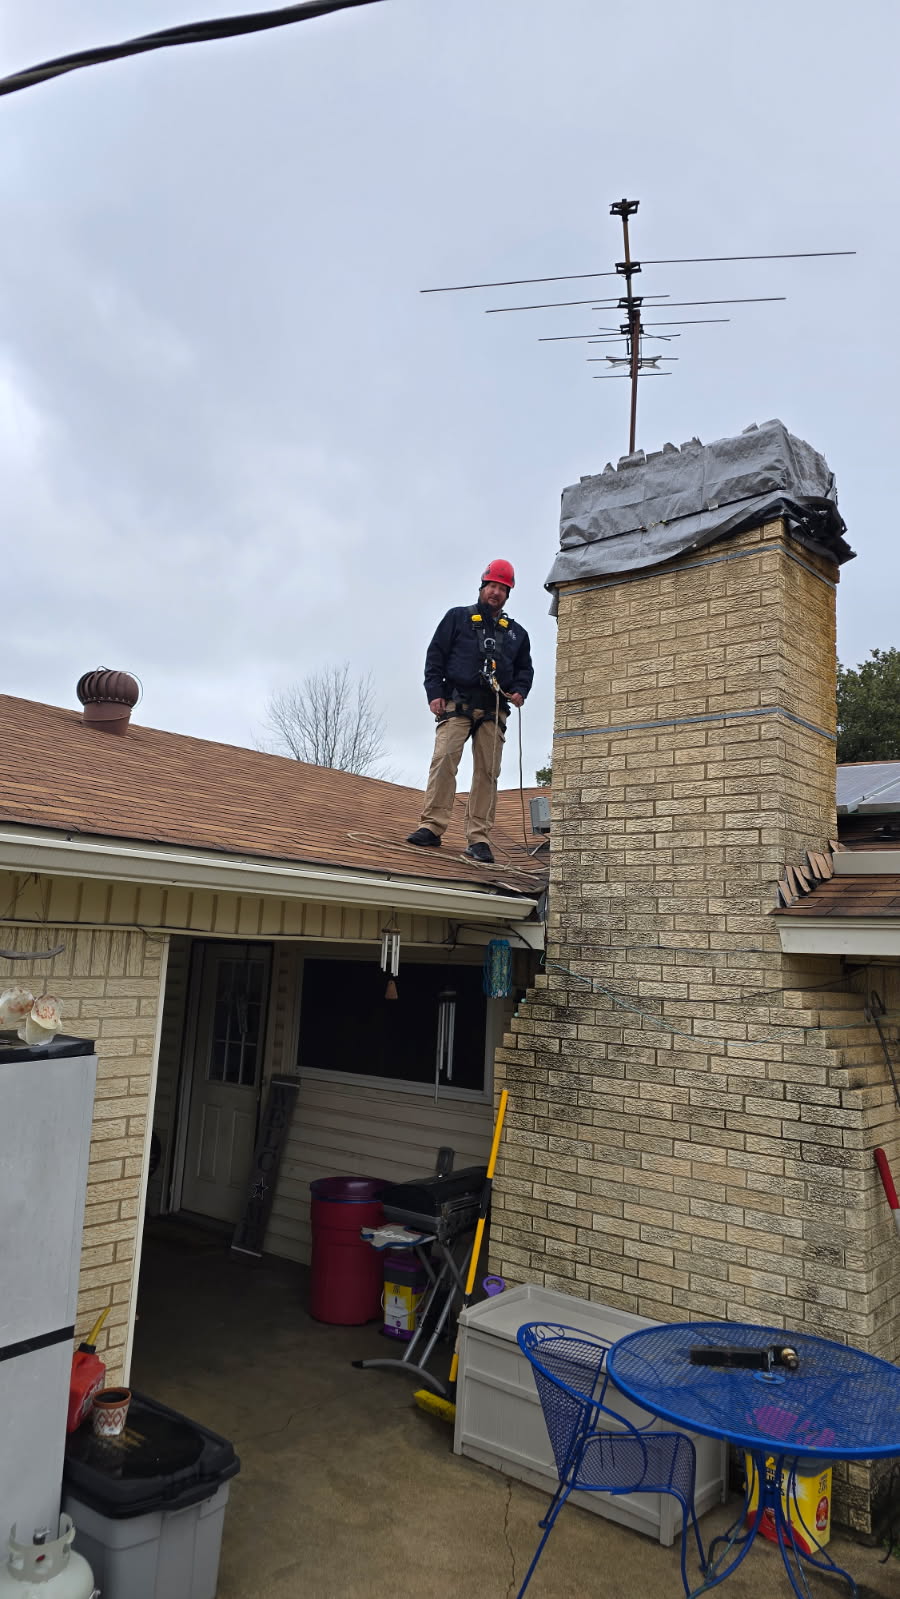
482,853
424,837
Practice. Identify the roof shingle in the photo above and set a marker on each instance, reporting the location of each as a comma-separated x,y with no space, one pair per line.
166,788
876,895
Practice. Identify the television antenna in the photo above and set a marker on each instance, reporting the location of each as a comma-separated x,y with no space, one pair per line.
631,330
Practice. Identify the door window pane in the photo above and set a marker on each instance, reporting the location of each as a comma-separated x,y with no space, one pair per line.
237,1018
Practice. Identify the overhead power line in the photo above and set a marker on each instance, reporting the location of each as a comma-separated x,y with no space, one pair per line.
185,33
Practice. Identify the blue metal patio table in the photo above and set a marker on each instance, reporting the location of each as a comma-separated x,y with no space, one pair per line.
839,1404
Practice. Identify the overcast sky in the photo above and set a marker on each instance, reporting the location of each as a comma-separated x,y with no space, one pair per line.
236,443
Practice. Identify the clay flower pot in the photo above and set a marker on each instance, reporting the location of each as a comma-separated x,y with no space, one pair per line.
109,1411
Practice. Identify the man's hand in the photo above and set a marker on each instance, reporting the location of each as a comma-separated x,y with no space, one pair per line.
439,706
517,700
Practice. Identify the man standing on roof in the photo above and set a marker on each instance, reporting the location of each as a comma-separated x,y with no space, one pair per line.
477,665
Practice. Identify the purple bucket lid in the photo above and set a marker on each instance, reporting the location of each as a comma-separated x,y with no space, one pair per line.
347,1190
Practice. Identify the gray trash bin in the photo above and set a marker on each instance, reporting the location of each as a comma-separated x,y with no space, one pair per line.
149,1507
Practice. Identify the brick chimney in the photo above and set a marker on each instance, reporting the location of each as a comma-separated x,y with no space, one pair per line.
686,1138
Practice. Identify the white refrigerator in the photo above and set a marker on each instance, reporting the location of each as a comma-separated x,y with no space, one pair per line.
46,1107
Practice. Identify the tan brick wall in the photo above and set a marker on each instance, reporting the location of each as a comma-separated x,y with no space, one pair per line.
692,1114
109,984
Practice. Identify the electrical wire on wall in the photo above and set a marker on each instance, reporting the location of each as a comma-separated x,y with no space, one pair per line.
185,33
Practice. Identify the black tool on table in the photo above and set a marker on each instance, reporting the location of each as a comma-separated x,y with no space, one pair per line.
738,1355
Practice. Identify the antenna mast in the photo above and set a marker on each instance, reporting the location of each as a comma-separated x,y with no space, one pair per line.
631,304
631,332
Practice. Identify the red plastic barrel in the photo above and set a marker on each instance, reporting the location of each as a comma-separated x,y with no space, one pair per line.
346,1277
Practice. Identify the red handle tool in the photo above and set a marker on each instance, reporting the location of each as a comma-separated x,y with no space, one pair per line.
887,1183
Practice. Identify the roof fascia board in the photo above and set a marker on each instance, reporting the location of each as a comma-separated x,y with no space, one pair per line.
845,935
165,868
866,862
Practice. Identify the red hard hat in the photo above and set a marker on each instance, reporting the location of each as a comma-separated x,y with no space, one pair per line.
499,572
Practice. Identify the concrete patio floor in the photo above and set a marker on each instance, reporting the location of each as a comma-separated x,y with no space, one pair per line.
346,1489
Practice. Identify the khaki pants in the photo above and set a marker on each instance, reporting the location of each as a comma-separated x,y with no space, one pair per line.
487,753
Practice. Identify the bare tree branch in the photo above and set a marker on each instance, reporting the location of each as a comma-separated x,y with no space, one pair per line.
330,719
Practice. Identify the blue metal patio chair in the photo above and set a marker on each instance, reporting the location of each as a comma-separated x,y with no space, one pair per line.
597,1450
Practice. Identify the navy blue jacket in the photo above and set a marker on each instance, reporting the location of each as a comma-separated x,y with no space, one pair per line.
454,658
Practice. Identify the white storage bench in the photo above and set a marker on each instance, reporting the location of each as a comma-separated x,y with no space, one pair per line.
499,1420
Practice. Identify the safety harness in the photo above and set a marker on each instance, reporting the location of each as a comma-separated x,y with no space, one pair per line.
491,636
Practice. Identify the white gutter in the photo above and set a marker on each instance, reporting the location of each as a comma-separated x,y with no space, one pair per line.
839,935
164,867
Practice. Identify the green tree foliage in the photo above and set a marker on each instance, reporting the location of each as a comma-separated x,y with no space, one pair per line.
868,702
544,774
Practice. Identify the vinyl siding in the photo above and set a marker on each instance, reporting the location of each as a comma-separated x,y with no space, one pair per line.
69,901
342,1129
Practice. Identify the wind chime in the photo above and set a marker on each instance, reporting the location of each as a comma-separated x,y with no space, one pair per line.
390,956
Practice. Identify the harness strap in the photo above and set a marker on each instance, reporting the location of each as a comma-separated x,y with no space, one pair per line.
465,709
491,636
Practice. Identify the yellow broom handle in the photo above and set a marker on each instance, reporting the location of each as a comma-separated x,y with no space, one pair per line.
482,1217
498,1129
485,1198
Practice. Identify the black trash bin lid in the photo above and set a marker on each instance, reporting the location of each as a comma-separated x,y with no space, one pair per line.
162,1461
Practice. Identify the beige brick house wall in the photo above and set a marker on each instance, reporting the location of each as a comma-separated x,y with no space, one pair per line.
692,1113
110,985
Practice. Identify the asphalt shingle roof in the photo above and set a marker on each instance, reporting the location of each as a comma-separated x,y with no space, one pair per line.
62,773
878,895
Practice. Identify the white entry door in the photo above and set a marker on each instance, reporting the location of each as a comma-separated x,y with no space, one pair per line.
234,986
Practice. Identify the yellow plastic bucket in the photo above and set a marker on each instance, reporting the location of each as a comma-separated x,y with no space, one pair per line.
808,1514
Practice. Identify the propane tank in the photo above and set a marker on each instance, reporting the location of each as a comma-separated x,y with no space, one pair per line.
47,1568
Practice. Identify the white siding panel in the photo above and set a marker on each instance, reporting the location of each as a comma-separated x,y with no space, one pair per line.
342,1129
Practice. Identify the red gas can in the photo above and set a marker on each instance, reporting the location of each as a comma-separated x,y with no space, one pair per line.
346,1276
88,1374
